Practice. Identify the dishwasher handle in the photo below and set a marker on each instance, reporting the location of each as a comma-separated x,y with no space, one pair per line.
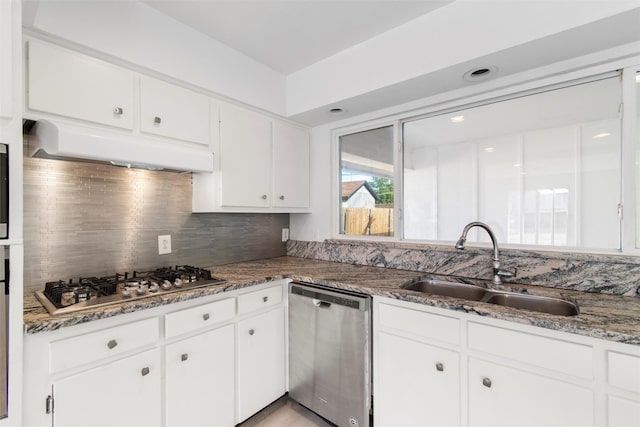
324,298
321,304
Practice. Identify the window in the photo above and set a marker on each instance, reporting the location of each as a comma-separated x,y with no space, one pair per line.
542,169
366,183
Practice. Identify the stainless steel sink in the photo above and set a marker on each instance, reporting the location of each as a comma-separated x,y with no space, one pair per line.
469,292
541,304
447,289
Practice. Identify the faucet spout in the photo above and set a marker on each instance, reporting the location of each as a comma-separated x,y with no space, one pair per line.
496,258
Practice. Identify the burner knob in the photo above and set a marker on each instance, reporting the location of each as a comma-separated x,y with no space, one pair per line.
166,285
178,283
141,290
154,287
126,292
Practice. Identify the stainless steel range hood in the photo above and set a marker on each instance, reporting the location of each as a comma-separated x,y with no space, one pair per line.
55,140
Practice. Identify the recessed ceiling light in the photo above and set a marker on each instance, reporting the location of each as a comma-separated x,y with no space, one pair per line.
337,111
489,150
601,135
480,73
457,119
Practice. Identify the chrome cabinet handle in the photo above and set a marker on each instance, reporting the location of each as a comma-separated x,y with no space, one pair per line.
145,371
486,382
111,344
205,317
252,331
281,197
118,111
184,357
157,120
439,367
264,197
265,299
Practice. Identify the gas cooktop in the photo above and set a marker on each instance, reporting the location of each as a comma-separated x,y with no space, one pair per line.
61,297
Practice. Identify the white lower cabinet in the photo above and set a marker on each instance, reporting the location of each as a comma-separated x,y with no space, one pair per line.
122,393
199,380
261,361
435,367
431,373
622,412
122,371
504,396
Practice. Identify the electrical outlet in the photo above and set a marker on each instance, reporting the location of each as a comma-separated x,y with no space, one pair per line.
164,244
285,234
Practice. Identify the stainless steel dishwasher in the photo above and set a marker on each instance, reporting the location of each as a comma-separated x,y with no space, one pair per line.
330,353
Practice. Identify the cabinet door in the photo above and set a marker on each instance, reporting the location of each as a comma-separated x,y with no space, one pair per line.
622,412
6,59
200,380
416,384
74,85
261,362
245,157
290,166
172,111
122,393
502,396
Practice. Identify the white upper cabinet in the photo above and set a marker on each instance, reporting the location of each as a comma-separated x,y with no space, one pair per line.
290,170
174,112
6,60
66,83
245,153
262,165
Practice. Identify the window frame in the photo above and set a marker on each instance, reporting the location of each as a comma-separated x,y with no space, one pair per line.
629,144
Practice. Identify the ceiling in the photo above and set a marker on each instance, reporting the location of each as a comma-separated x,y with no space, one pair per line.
290,35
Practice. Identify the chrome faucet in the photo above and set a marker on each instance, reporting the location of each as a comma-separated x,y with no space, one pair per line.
497,273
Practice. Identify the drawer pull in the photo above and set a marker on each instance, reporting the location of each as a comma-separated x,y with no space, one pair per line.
145,371
184,357
265,299
157,120
111,344
118,111
281,197
264,197
252,331
486,382
205,317
439,367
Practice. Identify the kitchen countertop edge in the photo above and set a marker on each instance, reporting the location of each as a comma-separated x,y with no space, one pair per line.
607,317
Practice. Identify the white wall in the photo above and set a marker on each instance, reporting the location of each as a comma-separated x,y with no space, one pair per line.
138,34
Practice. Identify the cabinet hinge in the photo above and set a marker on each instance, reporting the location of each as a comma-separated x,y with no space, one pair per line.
619,211
49,404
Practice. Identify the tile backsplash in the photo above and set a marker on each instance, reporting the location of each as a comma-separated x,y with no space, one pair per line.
611,274
84,219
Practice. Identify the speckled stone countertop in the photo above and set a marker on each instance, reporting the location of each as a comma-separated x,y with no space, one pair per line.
609,317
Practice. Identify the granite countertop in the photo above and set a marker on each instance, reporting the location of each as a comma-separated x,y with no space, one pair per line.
609,317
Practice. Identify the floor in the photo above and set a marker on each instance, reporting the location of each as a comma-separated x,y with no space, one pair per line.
284,412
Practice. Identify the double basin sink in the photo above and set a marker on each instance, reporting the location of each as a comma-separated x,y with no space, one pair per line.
470,292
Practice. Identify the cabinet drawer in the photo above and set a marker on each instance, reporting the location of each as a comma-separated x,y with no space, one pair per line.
198,317
623,371
562,356
427,325
71,352
259,299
